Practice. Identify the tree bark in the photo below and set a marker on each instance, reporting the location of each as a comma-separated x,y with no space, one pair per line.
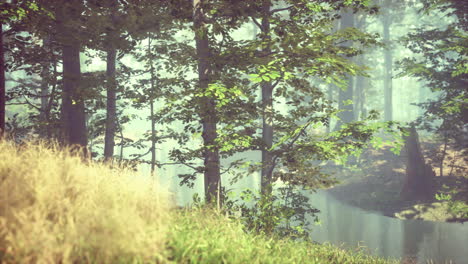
347,20
73,119
361,81
360,105
73,109
419,175
44,115
388,62
267,109
330,90
153,122
109,141
207,108
2,86
359,95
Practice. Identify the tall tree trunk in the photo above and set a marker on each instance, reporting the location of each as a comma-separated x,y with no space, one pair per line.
45,94
361,81
444,150
109,141
388,61
111,110
357,97
153,122
73,109
207,108
73,118
345,96
2,85
267,109
423,91
331,87
361,86
121,141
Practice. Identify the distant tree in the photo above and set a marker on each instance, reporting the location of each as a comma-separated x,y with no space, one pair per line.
345,97
2,85
387,19
390,13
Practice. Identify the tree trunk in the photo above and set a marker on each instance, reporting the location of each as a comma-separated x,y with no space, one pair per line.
361,81
443,154
358,97
388,61
423,91
73,119
267,110
419,175
73,110
153,122
2,85
121,141
207,108
331,87
345,96
45,94
109,141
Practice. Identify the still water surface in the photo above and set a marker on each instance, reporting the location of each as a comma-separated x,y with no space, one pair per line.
342,224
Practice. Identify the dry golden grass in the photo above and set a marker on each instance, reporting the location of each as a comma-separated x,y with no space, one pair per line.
55,209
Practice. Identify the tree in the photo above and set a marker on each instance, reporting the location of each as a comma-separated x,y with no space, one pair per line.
442,67
2,85
387,20
267,104
419,181
73,108
111,109
291,34
345,98
206,105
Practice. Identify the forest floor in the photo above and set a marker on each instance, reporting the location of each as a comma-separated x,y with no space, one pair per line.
377,179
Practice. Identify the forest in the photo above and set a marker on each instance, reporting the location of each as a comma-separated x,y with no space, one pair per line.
210,131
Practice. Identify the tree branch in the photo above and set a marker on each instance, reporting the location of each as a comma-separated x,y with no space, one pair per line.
256,23
31,104
280,9
296,137
273,86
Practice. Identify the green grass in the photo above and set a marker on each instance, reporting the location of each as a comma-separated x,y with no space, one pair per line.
55,209
205,236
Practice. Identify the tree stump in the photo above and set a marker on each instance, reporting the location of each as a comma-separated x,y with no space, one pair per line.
419,181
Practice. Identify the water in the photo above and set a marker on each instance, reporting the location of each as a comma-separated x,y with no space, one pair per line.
349,226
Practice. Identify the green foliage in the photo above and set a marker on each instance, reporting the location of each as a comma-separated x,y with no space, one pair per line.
456,207
221,93
285,213
15,12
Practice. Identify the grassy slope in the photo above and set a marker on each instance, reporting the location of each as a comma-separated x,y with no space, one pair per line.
55,209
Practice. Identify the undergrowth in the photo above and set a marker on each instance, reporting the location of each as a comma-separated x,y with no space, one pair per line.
55,209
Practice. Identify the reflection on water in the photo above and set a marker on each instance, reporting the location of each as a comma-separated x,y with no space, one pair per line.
342,224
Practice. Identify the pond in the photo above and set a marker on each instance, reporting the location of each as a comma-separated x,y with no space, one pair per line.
342,224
